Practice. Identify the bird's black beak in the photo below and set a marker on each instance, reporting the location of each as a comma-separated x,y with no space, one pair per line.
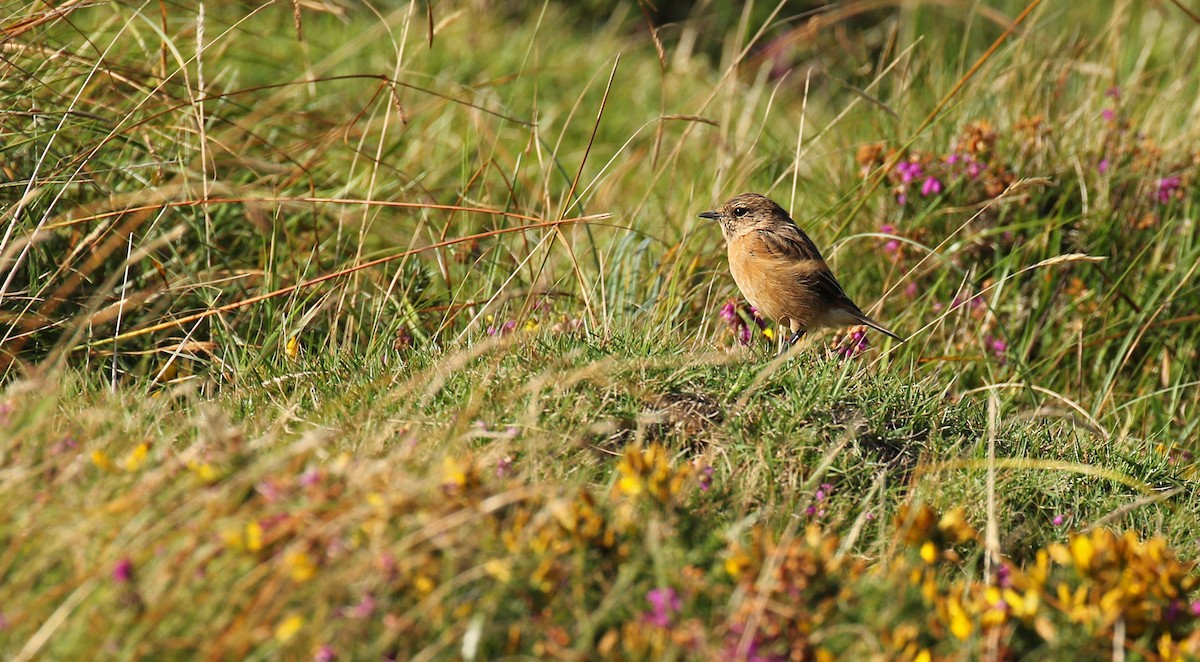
710,215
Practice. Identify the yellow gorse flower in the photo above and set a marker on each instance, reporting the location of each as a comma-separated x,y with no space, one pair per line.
288,628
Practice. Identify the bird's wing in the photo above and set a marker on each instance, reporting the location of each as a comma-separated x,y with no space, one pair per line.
789,243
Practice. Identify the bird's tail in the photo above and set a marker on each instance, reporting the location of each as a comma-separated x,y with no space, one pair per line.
877,326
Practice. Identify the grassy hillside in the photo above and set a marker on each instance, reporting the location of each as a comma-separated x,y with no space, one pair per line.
350,333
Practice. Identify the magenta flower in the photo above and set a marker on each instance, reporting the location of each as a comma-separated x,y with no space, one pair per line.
855,345
1058,520
975,168
122,573
706,475
1167,186
953,158
892,246
1003,576
504,467
1103,166
909,171
931,186
664,603
1108,114
901,199
729,312
324,654
310,477
363,609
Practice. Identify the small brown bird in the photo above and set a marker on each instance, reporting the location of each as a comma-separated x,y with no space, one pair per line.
780,271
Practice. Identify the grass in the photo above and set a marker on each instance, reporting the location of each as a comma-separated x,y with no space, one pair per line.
286,372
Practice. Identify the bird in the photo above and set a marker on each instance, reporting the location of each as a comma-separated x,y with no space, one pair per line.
780,271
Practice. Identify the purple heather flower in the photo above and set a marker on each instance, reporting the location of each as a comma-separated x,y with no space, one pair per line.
504,467
909,171
1173,610
324,654
1196,608
664,603
122,573
1003,576
1166,188
953,158
364,608
1058,520
998,346
901,199
931,186
823,491
706,475
1103,166
976,168
729,312
310,477
1108,114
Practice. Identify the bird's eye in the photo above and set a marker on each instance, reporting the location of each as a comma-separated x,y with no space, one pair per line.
740,211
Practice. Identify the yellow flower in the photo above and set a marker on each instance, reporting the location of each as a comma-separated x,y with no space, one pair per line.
292,347
929,552
136,457
769,333
300,566
923,656
531,325
630,485
101,460
1022,606
453,476
1082,551
204,471
498,570
254,537
423,584
960,623
997,611
288,628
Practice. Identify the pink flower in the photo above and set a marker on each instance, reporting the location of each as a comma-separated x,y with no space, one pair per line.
664,603
363,609
122,573
504,467
1108,114
975,168
324,654
1058,520
706,475
909,171
1167,186
1102,167
998,346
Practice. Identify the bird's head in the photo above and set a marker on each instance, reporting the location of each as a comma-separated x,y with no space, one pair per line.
745,213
